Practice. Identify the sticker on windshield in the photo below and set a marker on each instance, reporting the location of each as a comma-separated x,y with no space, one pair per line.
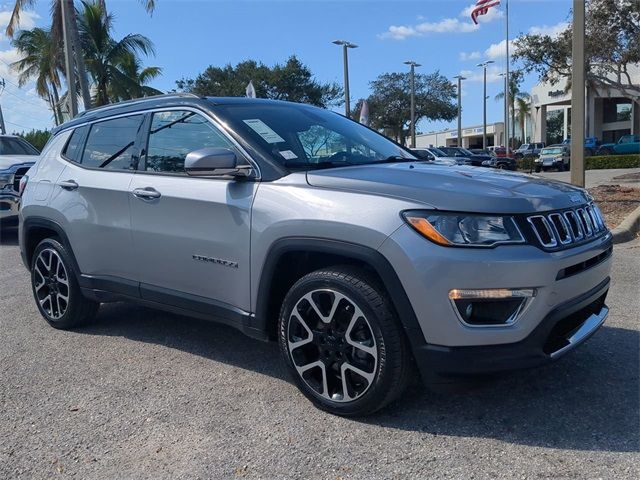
264,130
288,155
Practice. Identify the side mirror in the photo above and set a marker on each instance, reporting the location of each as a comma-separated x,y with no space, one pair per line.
214,162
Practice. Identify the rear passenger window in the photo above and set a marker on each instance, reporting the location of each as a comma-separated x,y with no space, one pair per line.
74,145
175,134
110,143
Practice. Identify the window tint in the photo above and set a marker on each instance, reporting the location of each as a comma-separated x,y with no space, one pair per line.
175,134
16,146
110,143
74,145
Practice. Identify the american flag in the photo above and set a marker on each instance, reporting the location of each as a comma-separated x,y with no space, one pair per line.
482,8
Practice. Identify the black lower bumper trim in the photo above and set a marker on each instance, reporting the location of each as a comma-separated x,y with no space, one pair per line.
560,331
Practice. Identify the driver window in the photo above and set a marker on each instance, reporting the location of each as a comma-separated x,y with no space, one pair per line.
174,134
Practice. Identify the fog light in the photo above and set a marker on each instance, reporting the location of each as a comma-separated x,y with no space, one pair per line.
491,308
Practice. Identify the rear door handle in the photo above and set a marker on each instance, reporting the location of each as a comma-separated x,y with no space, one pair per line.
69,185
147,193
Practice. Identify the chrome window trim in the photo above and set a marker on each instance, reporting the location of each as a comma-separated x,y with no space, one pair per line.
206,115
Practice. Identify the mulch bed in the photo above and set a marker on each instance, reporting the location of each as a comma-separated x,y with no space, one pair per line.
616,202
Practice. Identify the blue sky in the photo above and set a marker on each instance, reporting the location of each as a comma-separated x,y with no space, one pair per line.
191,35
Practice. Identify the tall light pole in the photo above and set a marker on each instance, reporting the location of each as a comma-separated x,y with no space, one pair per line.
577,95
345,47
460,78
484,102
413,66
506,113
68,60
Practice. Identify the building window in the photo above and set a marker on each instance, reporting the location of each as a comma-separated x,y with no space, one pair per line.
616,110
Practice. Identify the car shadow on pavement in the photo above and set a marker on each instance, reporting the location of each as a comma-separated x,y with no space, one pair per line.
587,401
8,236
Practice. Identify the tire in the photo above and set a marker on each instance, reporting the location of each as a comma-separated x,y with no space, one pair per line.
328,342
55,287
538,169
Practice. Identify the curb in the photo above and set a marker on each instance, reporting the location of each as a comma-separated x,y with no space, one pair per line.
628,229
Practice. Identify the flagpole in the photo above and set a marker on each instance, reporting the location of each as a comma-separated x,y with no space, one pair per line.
506,83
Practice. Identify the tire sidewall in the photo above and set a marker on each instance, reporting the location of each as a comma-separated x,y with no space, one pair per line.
382,380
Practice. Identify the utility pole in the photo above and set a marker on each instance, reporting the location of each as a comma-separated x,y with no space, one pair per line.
577,94
68,61
345,57
507,84
460,78
3,129
484,103
413,66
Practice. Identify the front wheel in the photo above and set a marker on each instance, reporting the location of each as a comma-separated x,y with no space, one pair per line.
55,287
342,342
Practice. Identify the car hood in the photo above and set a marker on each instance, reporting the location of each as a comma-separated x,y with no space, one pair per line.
8,161
455,188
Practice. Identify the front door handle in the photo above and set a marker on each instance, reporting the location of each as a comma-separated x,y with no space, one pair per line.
147,193
69,185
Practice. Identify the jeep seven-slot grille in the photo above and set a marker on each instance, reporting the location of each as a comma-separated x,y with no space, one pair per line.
20,172
564,229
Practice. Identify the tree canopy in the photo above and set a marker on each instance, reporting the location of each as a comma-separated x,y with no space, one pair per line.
612,45
390,101
292,81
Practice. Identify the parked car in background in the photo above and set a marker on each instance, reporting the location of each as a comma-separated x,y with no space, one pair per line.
591,145
360,261
433,155
627,145
528,150
498,151
464,156
553,157
502,163
16,157
481,151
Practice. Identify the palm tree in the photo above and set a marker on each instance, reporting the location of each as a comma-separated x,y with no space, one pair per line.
57,32
515,94
132,68
41,61
523,106
109,61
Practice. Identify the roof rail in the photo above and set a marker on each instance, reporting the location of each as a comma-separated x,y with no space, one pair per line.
134,101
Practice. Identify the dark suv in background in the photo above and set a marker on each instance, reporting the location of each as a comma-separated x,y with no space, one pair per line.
16,157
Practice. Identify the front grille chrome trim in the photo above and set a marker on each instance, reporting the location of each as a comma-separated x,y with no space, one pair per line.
564,229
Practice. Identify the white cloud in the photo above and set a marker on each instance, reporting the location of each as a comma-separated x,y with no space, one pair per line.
27,20
498,50
550,30
493,75
464,56
446,25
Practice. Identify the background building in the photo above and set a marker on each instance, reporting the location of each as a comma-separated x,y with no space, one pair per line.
471,137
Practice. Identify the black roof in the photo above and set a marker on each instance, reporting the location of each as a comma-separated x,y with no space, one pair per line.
158,101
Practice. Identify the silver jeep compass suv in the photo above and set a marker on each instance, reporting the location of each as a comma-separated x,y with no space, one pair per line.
294,223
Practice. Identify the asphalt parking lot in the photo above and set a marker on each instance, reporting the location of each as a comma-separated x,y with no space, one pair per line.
143,394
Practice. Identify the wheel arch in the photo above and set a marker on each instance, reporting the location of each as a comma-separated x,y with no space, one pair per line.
36,229
330,252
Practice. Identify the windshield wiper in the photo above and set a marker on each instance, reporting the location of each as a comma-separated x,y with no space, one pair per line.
395,159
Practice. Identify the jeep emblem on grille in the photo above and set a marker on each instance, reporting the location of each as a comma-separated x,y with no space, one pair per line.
575,198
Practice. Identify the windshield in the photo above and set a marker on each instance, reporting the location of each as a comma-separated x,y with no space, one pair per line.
437,152
524,146
465,151
303,137
16,146
551,151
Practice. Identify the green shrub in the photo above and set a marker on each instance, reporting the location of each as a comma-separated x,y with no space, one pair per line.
612,161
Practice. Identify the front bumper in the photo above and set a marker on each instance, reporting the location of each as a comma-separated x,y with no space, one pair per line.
9,208
561,331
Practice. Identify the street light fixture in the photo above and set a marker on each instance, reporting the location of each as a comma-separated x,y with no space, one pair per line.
460,78
413,66
484,102
346,46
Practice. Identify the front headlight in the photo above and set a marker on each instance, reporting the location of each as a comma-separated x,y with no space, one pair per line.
5,179
464,230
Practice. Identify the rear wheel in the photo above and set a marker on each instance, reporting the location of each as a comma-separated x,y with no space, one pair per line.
55,287
342,343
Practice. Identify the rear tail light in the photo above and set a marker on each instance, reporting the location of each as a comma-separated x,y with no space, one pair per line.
23,184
